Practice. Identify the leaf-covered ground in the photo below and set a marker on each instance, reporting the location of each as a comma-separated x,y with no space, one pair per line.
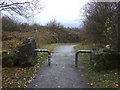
19,77
104,79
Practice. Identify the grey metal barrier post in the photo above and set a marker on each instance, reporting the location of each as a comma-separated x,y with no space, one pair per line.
45,50
77,53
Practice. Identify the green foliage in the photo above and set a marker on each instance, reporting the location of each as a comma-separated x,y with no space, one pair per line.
4,51
101,23
109,31
9,24
9,59
107,61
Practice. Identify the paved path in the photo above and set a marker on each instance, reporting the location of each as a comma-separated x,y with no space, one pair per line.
62,73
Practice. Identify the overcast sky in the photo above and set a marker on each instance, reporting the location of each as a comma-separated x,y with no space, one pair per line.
67,12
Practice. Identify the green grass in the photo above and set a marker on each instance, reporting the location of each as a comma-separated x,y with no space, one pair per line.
51,46
85,46
20,77
103,79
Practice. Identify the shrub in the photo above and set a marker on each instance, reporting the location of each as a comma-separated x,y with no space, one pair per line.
9,58
9,24
107,61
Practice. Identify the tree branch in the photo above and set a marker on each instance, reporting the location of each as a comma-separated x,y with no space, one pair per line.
8,5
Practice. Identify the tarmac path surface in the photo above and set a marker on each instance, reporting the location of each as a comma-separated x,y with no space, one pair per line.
62,72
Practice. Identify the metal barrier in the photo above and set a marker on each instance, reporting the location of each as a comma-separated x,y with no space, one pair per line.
45,50
80,51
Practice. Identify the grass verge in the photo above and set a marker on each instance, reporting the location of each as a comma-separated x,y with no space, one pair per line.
103,79
20,77
50,46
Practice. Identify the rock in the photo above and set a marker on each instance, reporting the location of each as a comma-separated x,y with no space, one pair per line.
27,56
24,55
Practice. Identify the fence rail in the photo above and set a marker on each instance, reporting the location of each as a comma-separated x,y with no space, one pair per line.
45,50
77,53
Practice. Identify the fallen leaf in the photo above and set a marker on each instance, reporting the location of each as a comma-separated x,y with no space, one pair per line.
29,81
116,85
91,84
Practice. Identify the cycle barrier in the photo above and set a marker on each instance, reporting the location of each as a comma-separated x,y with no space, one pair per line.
45,50
77,53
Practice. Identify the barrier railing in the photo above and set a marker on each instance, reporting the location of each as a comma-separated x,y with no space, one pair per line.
45,50
80,51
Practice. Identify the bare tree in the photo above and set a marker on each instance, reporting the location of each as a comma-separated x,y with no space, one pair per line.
25,8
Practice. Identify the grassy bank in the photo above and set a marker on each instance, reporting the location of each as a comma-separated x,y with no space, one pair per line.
20,77
103,79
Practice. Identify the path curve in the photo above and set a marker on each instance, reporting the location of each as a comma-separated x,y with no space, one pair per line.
62,73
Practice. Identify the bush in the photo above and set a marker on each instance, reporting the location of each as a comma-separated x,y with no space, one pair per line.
9,24
9,59
107,61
